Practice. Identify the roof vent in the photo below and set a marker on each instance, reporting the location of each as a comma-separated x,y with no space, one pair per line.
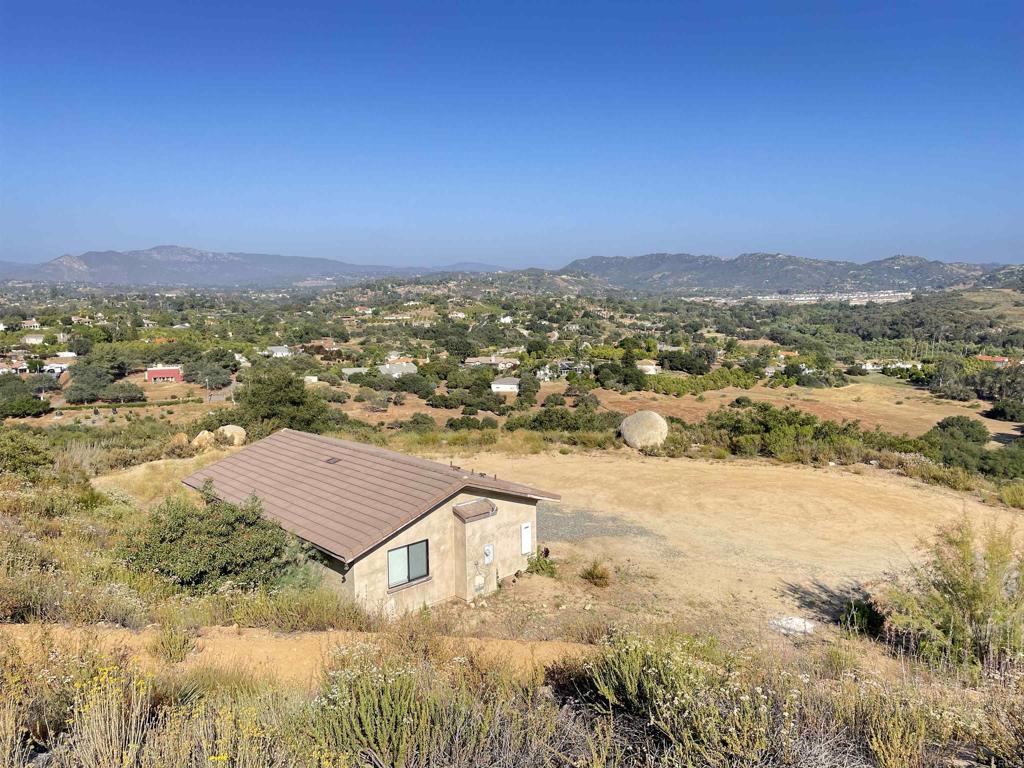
332,460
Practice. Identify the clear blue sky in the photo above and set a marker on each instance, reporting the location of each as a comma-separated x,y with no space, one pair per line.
513,132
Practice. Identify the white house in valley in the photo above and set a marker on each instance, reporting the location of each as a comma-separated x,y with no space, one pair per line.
506,385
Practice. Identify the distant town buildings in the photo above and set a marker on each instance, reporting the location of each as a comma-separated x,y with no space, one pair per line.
394,370
650,367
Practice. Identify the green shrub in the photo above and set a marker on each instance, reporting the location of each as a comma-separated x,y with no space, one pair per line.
1012,494
122,392
965,605
635,674
274,397
560,419
295,609
667,384
23,453
1007,410
203,548
541,563
173,642
897,733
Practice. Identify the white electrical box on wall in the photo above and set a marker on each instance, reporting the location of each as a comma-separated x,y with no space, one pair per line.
526,539
488,554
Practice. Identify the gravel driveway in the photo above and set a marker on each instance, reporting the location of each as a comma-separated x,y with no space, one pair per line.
561,522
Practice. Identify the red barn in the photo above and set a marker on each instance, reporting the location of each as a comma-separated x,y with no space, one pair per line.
160,373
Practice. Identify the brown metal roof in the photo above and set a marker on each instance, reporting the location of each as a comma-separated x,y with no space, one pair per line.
342,497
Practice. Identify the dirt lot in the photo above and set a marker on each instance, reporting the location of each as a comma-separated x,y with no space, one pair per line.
736,541
412,405
876,400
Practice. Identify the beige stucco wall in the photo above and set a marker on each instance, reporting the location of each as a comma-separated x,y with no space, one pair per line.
503,532
456,551
334,577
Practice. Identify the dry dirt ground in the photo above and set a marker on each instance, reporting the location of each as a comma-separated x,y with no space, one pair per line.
875,400
738,542
293,659
412,405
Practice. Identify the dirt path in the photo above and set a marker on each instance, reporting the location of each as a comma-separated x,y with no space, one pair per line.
294,658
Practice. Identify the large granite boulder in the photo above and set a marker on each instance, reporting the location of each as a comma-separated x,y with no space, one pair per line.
644,429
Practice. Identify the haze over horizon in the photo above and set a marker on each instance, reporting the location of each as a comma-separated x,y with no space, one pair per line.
526,135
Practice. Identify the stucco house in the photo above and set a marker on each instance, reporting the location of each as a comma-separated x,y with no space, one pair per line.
650,367
997,360
277,351
506,385
394,370
396,532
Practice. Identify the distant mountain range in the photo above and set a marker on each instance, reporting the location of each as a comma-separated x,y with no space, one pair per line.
177,265
765,273
680,273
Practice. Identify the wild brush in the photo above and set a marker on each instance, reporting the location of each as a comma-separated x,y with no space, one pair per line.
173,642
541,564
597,573
964,606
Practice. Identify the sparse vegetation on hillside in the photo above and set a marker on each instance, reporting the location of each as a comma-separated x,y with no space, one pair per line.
644,700
964,605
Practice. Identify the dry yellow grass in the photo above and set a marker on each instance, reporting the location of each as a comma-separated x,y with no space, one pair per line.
154,481
875,401
1000,302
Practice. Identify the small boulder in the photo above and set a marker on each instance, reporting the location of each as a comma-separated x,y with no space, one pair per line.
644,429
204,440
231,434
792,625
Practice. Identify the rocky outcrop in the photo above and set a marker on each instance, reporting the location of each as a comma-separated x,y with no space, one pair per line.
230,434
204,440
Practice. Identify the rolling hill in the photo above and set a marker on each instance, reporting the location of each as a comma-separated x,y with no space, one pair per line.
760,273
178,265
